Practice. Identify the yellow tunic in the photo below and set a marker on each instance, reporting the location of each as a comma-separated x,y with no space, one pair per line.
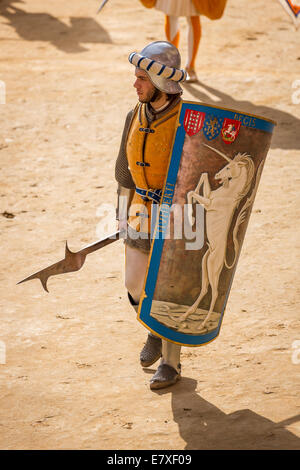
148,155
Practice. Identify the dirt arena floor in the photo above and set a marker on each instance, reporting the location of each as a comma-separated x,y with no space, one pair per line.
69,375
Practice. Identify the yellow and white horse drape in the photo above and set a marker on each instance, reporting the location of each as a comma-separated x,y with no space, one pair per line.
213,9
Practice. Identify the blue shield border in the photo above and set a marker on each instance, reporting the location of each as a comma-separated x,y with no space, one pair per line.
144,309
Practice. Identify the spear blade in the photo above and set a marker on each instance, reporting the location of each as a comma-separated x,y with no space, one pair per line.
72,261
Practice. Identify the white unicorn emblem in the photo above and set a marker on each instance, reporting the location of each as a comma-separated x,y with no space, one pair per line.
220,205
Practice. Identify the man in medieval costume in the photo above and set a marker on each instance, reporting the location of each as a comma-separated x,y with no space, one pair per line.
191,9
140,171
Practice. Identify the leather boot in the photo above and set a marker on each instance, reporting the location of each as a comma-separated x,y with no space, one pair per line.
151,352
165,376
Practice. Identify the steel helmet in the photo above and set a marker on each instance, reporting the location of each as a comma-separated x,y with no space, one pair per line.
161,61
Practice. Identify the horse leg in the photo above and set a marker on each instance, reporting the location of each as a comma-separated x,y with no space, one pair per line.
206,186
204,201
192,197
213,277
204,289
189,197
203,180
211,308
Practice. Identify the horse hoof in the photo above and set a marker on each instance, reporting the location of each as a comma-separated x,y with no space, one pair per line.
175,319
166,308
189,312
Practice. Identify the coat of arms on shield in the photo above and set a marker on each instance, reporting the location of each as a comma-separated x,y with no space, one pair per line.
212,126
206,203
230,130
193,121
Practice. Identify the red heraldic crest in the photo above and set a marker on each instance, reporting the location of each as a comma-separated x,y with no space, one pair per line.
230,130
193,121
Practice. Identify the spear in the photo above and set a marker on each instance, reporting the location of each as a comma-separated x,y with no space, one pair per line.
102,5
72,261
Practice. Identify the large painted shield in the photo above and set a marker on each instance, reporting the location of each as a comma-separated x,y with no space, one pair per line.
213,175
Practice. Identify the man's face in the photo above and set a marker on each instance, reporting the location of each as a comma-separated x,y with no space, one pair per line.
145,89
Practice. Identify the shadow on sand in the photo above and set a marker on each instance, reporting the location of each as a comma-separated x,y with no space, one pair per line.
48,28
286,133
204,426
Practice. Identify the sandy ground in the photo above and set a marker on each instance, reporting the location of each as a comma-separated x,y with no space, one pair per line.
71,376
